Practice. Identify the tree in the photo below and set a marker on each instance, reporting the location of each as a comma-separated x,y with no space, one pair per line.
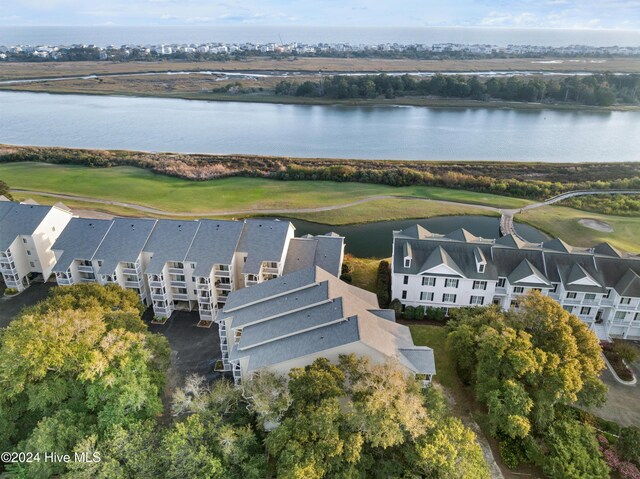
383,284
75,365
629,444
4,190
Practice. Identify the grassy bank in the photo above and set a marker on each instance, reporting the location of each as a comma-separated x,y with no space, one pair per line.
564,222
142,187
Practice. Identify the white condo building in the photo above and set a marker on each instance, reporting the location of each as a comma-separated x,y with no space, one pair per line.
600,285
27,232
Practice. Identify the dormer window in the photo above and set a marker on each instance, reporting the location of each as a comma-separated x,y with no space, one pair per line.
407,262
481,268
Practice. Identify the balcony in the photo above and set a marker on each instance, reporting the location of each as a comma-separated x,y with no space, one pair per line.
222,273
163,311
12,284
175,270
204,286
87,280
501,291
571,301
65,281
223,286
132,284
268,270
131,271
158,297
178,283
156,284
180,296
10,271
83,268
206,314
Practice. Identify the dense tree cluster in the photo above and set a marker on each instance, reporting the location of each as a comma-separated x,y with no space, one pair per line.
4,190
597,89
527,367
383,284
620,205
77,366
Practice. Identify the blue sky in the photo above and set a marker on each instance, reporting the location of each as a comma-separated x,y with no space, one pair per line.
614,14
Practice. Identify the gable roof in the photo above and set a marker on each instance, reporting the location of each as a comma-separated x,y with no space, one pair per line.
215,242
558,245
169,241
79,240
19,219
607,250
325,251
578,274
461,234
416,231
316,313
440,257
262,240
524,271
123,242
510,241
629,284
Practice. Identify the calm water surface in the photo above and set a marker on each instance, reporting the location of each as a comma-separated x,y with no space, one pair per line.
373,240
157,124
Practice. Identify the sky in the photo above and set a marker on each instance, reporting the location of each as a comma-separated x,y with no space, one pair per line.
571,14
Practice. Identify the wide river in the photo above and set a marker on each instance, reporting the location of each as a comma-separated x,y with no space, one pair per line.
156,124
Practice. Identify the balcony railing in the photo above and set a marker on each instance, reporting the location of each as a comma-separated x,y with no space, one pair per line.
269,270
223,286
133,271
156,284
83,268
221,273
132,284
175,270
64,281
180,296
160,310
158,297
178,283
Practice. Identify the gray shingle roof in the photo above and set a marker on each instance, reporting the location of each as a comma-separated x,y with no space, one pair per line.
79,240
510,241
422,358
169,241
415,231
558,245
263,240
440,257
19,219
524,270
214,243
123,243
629,284
280,325
607,250
461,234
324,251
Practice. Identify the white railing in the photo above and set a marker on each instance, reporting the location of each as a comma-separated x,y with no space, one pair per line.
175,270
83,268
156,284
64,281
178,283
221,273
268,270
133,271
180,296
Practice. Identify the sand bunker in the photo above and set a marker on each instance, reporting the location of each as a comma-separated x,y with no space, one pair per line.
596,225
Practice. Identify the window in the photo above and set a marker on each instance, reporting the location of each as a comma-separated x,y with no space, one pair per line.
53,228
480,285
636,317
404,295
193,279
99,263
515,304
572,295
477,300
620,316
244,259
24,240
590,297
428,281
195,291
555,288
193,266
625,300
407,262
451,283
568,309
29,252
33,265
502,282
448,298
606,296
481,268
425,296
584,311
405,280
518,289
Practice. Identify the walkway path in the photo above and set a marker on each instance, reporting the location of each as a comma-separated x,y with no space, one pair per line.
155,211
506,221
507,226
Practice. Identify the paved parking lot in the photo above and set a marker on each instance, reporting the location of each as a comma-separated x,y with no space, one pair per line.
195,350
10,307
623,402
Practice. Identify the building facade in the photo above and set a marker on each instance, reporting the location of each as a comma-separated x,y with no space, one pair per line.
291,321
27,232
600,285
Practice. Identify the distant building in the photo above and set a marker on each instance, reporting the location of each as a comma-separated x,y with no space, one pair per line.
600,285
291,321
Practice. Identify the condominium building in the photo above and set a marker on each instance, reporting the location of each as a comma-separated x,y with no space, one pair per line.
120,255
290,321
27,232
76,248
169,275
174,264
600,285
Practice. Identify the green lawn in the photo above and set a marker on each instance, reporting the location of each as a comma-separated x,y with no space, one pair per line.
364,271
143,187
436,338
563,222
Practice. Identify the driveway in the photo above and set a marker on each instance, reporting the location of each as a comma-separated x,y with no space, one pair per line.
194,350
623,402
10,307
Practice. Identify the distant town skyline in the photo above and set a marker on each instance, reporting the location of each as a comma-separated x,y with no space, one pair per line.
565,14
